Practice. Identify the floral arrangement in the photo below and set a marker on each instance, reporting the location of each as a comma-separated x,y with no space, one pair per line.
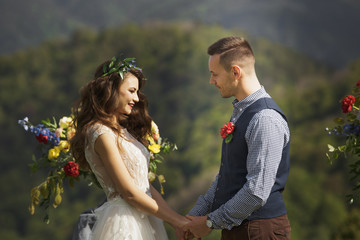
227,131
56,158
157,146
348,127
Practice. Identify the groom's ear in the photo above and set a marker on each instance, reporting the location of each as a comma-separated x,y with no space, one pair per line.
236,71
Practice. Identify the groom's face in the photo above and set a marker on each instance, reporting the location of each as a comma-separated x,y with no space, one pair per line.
222,79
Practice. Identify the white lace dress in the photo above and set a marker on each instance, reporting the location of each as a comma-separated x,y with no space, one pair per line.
117,219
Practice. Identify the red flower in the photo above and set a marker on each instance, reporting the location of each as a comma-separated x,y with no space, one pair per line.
358,83
71,169
42,138
347,103
227,130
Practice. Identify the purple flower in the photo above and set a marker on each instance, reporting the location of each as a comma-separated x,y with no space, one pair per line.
347,128
44,131
35,131
356,130
54,140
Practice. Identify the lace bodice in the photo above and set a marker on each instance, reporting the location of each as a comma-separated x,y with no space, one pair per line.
134,154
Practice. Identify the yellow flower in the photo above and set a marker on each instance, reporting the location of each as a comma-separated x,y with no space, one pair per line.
161,178
65,122
152,176
155,131
155,148
150,139
53,153
64,146
32,209
57,200
44,189
35,194
70,133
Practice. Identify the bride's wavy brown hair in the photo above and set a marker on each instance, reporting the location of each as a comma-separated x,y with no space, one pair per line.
98,103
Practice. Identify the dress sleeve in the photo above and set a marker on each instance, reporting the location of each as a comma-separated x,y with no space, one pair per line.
97,130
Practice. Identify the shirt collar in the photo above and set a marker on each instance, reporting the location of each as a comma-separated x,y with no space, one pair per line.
240,106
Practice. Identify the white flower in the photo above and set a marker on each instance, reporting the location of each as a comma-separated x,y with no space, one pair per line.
24,123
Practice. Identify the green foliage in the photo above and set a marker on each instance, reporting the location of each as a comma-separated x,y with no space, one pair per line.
121,69
45,82
348,127
349,228
308,199
326,26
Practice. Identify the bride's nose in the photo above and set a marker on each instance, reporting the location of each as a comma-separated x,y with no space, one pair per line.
136,98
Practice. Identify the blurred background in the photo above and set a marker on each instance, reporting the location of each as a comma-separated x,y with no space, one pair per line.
308,58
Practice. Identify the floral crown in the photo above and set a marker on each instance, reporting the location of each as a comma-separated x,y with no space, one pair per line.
121,69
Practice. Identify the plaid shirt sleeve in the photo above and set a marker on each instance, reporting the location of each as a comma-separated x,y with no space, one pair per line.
204,202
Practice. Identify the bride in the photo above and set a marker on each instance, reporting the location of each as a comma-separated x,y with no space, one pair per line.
112,123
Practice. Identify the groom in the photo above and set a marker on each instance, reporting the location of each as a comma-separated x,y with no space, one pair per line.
245,200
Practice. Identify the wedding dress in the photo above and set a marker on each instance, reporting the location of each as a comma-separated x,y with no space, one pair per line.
117,219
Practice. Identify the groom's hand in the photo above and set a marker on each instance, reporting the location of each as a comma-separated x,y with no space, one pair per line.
197,226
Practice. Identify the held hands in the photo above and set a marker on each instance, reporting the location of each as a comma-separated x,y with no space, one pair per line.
180,233
196,228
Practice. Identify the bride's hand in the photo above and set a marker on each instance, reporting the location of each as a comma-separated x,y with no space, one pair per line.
180,233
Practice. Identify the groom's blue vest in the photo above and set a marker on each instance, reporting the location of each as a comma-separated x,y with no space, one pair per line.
232,174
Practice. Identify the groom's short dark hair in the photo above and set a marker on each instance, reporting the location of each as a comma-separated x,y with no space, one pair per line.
232,50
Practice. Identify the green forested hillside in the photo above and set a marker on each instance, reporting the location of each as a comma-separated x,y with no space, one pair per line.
325,30
44,82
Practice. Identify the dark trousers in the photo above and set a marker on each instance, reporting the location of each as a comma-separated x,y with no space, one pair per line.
262,229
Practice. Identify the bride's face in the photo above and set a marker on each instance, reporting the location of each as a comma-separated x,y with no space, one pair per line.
128,93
